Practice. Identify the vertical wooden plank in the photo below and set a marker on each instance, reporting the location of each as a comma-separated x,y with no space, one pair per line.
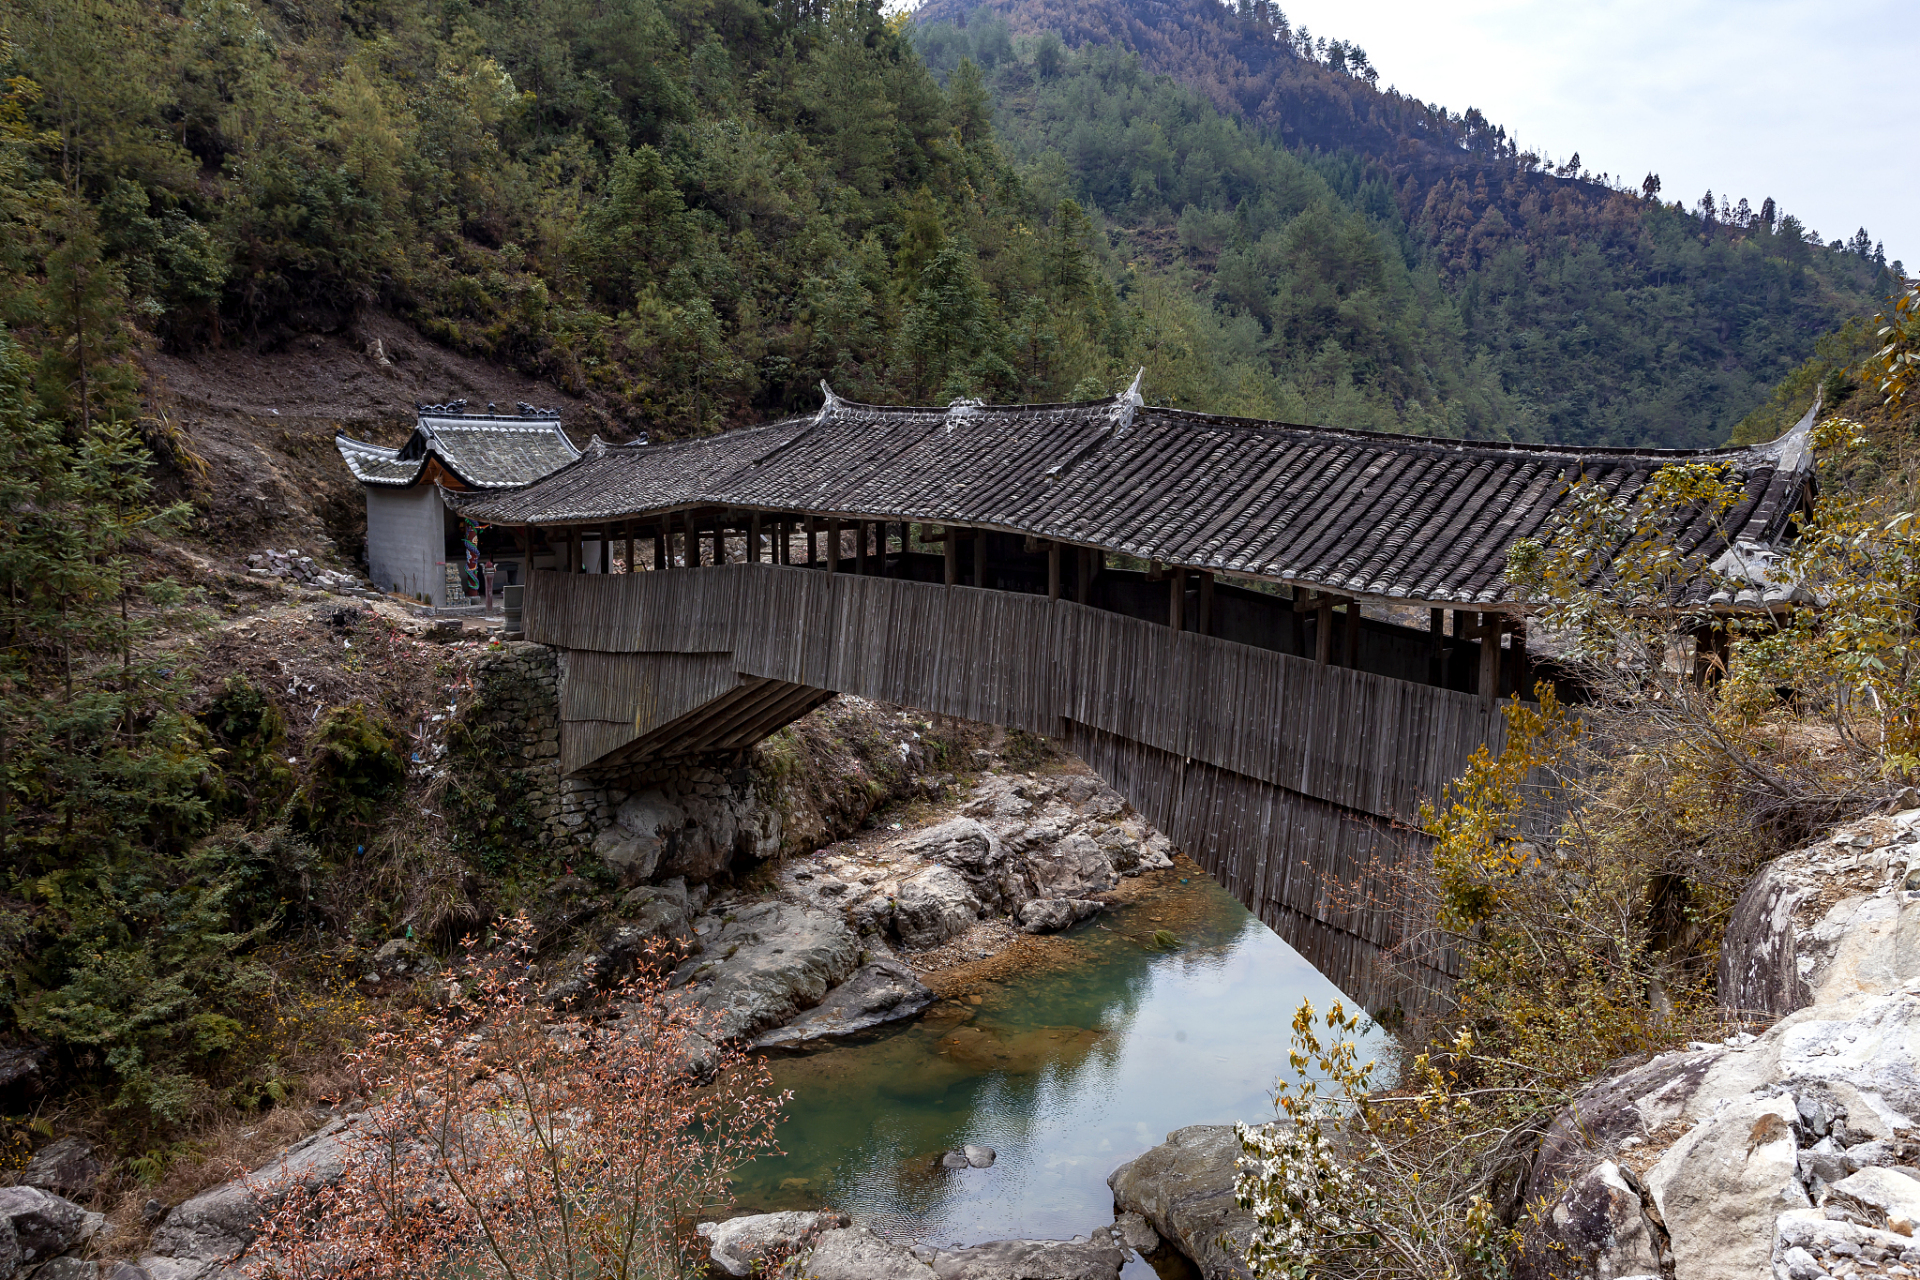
1489,658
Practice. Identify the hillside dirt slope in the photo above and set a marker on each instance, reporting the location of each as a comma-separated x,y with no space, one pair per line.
263,422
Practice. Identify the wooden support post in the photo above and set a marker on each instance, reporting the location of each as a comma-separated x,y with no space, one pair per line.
606,551
1206,602
1352,658
833,546
1177,598
1436,646
860,547
753,538
574,564
662,546
952,550
1517,659
690,539
629,565
1083,582
1053,571
720,538
1489,630
813,548
1323,631
979,557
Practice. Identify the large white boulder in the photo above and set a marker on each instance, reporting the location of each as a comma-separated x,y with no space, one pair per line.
1720,1188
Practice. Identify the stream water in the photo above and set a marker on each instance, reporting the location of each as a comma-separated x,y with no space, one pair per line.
1066,1072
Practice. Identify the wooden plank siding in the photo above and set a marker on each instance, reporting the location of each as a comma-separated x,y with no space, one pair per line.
1367,742
1290,781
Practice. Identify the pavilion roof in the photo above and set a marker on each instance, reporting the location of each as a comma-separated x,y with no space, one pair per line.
479,451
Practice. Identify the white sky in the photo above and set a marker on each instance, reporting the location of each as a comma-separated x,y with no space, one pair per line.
1804,101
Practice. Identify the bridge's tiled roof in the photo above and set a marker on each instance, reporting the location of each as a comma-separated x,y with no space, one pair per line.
1352,512
481,451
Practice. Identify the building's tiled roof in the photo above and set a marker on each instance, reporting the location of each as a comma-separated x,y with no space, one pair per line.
1357,513
482,451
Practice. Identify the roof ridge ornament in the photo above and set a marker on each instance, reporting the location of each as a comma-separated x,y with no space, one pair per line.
596,447
960,407
828,404
453,408
1126,402
535,411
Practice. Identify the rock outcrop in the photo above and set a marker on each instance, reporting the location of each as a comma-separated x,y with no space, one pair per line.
754,1244
762,965
1794,1153
856,1253
198,1237
66,1167
1837,917
1184,1191
1037,850
880,992
37,1225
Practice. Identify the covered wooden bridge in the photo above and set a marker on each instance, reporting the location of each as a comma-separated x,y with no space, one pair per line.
1178,597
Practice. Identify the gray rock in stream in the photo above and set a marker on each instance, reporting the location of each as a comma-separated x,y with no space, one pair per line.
881,992
1184,1189
1050,915
1032,1260
858,1254
770,962
744,1246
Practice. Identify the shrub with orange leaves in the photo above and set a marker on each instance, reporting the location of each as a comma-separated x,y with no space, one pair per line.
507,1138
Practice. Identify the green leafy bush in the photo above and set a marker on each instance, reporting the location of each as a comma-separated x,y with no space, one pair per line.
355,765
251,741
138,979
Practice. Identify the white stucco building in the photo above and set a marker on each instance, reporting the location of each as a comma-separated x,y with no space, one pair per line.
413,538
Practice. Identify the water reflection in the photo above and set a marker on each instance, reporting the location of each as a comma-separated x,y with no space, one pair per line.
1066,1074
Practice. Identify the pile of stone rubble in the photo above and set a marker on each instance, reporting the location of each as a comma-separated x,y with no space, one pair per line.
294,567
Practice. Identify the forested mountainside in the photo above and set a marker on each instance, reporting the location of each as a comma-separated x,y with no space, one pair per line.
689,212
1345,231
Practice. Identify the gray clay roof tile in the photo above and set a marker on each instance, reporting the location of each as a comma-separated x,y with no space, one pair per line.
481,451
1349,512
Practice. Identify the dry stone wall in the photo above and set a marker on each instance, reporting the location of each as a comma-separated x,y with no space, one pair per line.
686,819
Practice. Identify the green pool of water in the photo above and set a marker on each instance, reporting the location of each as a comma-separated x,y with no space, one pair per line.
1066,1073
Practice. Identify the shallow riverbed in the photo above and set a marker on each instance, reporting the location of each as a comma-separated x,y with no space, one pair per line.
1066,1072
